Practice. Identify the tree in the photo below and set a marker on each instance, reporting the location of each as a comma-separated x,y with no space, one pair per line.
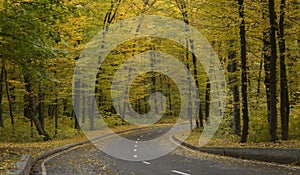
273,79
284,96
244,72
232,69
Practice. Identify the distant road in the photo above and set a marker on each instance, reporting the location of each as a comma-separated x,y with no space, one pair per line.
88,159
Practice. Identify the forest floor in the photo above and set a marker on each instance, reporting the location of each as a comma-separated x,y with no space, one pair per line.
10,153
234,141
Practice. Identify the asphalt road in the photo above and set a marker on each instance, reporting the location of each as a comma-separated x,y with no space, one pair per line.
88,159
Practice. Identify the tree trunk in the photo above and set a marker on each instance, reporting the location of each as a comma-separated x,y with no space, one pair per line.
259,80
273,81
9,99
232,69
284,98
31,108
76,104
198,104
207,100
244,73
41,105
266,55
56,117
1,93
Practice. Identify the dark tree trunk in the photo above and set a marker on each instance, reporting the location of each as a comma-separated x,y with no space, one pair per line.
259,80
244,73
65,107
31,108
56,117
284,98
232,69
41,105
207,100
266,55
198,104
1,93
273,81
9,99
76,104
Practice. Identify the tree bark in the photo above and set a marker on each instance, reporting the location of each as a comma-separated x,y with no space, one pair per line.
207,100
1,93
273,80
266,55
284,97
31,108
232,69
41,110
244,136
9,99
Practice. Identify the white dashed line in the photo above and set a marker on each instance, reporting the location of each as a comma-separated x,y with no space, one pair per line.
147,163
135,156
135,150
136,142
178,172
142,136
137,139
135,146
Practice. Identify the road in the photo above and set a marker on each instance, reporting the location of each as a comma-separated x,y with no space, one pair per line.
88,159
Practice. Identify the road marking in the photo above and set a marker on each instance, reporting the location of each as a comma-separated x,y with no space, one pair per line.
135,156
135,150
135,146
137,139
179,172
149,133
147,163
142,136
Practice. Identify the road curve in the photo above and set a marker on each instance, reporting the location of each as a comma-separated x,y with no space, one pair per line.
88,159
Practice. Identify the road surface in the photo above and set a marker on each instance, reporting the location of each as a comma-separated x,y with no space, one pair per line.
88,159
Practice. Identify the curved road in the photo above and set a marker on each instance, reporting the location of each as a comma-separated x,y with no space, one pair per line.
87,159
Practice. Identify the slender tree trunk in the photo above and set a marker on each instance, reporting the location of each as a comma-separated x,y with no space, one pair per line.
259,80
31,108
197,104
244,73
284,98
1,93
56,117
266,55
77,104
41,105
9,99
232,69
273,81
207,100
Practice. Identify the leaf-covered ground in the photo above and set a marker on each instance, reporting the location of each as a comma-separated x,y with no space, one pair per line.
10,153
233,141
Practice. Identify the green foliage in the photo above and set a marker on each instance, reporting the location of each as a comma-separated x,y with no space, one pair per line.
21,131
